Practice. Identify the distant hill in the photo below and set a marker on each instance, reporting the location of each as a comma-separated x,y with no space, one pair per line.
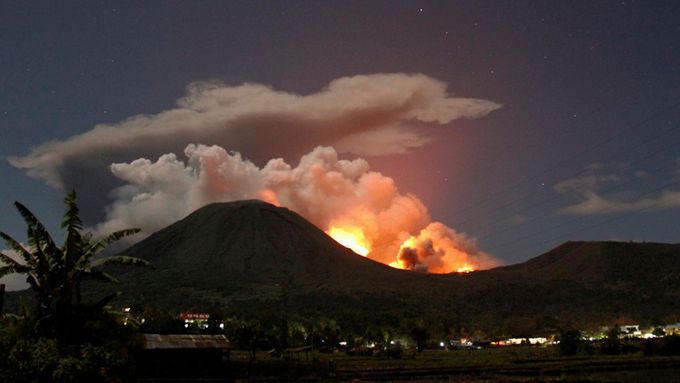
611,262
587,283
253,259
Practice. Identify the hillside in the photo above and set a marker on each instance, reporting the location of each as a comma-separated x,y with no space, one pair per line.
583,283
253,259
249,254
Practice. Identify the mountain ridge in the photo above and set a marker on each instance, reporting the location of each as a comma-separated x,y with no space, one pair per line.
253,259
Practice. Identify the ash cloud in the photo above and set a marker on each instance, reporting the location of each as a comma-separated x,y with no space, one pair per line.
324,189
364,115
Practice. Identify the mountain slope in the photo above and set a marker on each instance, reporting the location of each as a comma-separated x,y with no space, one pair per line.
251,250
606,261
586,283
253,259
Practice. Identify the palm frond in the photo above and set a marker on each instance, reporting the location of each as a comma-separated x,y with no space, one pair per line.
6,270
71,219
15,267
41,235
32,280
17,246
74,244
121,260
104,301
40,260
99,275
6,259
98,246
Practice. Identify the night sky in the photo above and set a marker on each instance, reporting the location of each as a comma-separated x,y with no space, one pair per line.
586,145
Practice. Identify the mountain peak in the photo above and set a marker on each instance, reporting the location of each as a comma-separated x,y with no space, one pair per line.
249,242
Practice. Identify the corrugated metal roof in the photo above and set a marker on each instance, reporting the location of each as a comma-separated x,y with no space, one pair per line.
181,341
299,349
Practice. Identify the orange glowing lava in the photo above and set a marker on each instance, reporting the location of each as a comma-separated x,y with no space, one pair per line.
466,268
351,237
435,249
435,254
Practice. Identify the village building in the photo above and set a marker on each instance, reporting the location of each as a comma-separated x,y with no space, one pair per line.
672,329
183,355
630,331
191,319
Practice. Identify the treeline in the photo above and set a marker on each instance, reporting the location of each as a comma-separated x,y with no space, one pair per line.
279,333
572,343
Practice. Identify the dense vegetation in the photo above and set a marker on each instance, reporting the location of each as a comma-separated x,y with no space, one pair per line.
58,336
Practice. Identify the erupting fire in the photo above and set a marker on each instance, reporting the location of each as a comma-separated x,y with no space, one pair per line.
359,208
351,237
433,250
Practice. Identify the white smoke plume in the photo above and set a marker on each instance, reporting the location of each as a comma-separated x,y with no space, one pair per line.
363,115
324,189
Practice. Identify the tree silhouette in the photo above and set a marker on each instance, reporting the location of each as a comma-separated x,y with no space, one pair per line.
612,344
55,273
420,335
570,342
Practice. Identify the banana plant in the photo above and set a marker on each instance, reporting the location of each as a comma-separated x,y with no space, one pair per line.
55,273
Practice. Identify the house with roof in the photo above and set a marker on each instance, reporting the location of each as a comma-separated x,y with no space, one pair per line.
183,355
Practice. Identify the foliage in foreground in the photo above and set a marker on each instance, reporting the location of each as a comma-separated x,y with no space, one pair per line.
60,338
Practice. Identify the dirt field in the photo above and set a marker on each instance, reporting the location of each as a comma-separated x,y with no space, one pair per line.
520,364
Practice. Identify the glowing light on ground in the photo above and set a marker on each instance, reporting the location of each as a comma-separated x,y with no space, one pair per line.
351,237
466,268
396,265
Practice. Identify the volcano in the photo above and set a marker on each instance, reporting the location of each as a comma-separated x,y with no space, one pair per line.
229,254
255,241
250,258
